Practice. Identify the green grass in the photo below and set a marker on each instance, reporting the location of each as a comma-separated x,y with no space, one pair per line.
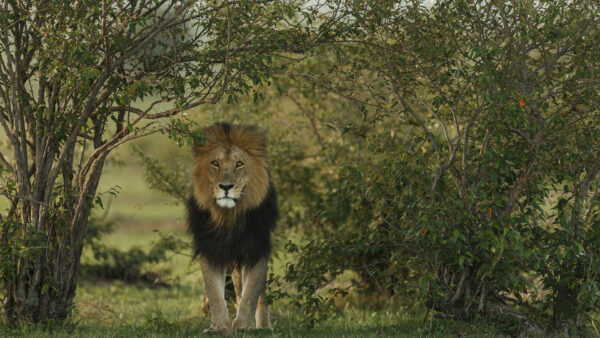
126,310
285,329
119,309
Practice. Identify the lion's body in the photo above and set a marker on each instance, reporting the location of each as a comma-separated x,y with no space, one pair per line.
231,213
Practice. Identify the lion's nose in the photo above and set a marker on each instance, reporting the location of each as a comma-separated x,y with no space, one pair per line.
226,187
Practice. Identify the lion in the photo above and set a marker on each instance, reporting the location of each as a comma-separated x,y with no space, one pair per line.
231,213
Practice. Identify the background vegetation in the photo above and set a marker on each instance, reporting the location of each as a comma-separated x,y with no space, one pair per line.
437,167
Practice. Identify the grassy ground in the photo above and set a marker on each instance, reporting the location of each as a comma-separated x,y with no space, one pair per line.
338,327
120,309
116,309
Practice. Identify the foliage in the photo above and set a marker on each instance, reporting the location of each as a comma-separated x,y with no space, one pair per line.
80,78
445,150
466,155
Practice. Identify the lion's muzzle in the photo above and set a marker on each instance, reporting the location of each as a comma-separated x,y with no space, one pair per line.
226,196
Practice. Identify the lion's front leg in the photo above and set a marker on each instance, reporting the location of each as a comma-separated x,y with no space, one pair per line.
253,284
214,283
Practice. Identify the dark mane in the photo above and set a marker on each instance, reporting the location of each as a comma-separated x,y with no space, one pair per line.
244,243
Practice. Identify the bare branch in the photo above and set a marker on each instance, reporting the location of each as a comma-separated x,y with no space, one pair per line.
6,164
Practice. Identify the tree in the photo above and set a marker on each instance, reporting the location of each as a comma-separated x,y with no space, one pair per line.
479,158
80,78
504,92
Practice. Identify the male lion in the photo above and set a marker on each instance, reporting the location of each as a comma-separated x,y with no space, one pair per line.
231,213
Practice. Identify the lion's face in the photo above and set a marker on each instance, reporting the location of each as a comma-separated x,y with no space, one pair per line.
230,174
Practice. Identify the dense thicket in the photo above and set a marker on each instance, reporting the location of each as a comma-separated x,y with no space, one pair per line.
469,157
449,152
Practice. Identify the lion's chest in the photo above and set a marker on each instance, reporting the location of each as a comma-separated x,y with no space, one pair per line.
241,244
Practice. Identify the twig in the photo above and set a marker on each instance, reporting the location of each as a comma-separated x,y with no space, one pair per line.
21,197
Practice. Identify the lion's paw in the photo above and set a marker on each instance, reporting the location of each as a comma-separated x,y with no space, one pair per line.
214,330
242,324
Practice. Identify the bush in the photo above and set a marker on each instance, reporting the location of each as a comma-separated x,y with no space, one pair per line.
471,159
128,265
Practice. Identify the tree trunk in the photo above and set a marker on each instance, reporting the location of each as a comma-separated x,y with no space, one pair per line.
50,299
46,271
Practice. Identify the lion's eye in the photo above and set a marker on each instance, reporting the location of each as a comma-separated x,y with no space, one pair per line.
215,164
239,164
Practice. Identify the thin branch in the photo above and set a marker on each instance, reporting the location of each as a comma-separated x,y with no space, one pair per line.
227,51
523,178
21,197
6,164
520,133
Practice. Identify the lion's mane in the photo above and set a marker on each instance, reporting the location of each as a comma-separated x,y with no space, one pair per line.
242,236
